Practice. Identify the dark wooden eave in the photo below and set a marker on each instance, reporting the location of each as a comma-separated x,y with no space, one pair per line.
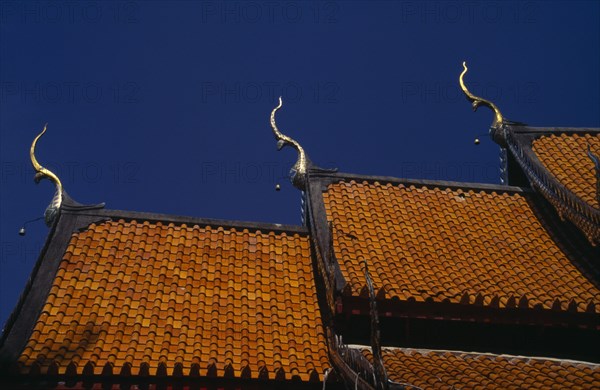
469,312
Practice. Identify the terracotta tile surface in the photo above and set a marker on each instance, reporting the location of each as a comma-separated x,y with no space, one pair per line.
460,370
170,296
443,245
565,156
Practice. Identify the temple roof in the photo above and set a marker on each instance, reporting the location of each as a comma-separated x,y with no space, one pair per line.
430,369
443,242
129,298
151,297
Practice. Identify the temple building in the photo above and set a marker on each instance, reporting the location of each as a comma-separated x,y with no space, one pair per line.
391,283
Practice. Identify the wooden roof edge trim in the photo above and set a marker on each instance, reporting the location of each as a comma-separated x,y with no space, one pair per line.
22,320
476,354
323,242
471,312
332,178
105,214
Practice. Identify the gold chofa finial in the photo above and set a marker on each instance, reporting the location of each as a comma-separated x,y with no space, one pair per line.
298,171
477,101
44,173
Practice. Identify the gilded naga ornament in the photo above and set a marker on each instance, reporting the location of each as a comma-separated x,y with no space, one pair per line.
299,170
44,173
477,101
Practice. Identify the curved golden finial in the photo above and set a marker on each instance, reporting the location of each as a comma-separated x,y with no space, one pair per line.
298,171
476,101
44,173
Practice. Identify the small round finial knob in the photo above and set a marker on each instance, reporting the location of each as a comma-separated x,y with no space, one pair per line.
277,187
477,141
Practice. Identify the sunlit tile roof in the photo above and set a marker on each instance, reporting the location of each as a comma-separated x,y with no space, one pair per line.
428,369
432,244
207,301
566,157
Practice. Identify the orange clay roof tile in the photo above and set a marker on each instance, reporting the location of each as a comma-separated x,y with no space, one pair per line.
240,301
565,156
457,246
443,369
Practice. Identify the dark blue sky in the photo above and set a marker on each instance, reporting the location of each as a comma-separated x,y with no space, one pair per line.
163,106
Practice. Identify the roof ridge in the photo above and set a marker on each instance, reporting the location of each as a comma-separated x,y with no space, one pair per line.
554,129
188,220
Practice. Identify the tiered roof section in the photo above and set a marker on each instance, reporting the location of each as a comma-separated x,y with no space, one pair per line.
145,296
453,252
435,244
476,251
430,369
